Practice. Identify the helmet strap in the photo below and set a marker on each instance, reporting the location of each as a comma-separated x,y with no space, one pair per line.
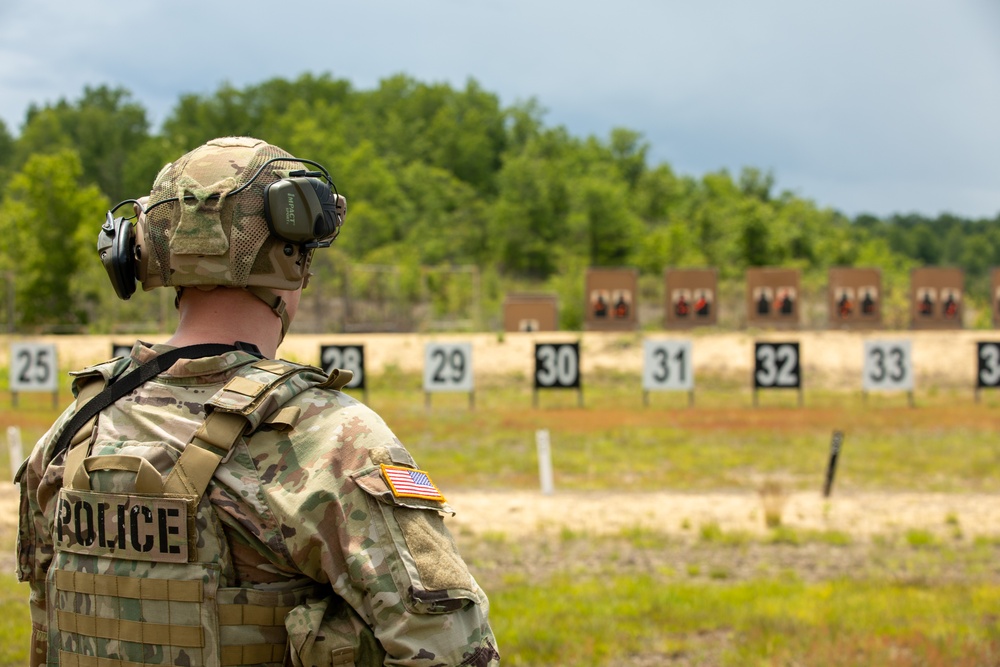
275,303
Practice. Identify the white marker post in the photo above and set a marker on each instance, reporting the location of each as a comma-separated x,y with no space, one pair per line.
15,448
544,461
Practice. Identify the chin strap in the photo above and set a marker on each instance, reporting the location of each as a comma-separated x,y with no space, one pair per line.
275,303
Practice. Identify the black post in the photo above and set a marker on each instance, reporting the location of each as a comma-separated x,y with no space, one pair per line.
831,468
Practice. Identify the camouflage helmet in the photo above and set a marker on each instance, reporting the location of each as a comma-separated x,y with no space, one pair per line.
205,222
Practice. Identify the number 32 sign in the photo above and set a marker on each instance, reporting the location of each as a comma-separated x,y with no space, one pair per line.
776,366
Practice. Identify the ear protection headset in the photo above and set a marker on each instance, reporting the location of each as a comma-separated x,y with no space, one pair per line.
300,209
117,250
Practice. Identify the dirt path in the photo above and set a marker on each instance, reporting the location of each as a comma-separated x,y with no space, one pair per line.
517,515
861,515
831,359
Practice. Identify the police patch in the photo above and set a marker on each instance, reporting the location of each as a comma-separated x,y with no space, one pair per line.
149,528
410,483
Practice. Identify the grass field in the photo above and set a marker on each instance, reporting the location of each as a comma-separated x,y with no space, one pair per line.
699,593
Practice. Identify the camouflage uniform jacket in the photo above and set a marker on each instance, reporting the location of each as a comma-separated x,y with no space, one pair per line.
308,505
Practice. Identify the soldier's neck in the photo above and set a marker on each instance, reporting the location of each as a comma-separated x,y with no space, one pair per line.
225,315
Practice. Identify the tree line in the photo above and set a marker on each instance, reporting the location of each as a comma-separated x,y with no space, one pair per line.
435,176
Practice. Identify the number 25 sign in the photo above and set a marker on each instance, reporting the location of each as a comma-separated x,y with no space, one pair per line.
33,367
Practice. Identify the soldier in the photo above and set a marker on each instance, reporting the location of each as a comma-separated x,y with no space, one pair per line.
204,504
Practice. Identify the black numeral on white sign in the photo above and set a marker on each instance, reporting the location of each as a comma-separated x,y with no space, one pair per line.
667,365
448,367
888,366
33,367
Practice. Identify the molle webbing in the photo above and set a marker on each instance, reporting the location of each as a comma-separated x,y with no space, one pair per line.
163,607
116,387
139,632
240,407
232,656
171,590
115,589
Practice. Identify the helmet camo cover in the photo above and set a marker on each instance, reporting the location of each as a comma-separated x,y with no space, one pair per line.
208,238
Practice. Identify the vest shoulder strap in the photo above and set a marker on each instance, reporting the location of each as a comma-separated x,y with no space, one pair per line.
258,394
87,384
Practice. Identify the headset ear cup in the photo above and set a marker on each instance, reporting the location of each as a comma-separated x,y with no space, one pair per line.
121,268
328,223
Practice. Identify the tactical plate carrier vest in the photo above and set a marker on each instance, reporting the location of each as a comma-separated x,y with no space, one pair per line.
141,570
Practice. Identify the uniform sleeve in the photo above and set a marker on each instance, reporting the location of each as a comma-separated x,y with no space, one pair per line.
391,559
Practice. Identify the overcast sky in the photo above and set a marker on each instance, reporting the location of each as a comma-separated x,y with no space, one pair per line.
880,106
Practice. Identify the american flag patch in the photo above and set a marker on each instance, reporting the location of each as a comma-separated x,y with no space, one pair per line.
410,483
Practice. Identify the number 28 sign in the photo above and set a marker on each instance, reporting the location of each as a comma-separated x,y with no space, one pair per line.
347,357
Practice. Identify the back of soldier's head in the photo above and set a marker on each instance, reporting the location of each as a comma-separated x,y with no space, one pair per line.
234,212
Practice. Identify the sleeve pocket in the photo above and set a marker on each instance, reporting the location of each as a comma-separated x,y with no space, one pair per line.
428,571
25,530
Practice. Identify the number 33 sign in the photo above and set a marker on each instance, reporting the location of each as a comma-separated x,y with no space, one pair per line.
888,366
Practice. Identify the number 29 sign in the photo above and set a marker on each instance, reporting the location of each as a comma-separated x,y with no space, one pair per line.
448,367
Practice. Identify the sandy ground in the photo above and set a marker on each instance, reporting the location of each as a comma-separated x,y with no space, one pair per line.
830,359
517,515
861,515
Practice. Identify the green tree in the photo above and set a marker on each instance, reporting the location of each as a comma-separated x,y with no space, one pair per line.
528,221
51,221
449,224
463,132
255,111
613,231
629,153
6,152
105,126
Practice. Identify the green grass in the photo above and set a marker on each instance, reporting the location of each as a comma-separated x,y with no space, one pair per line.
908,608
946,443
607,621
15,622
